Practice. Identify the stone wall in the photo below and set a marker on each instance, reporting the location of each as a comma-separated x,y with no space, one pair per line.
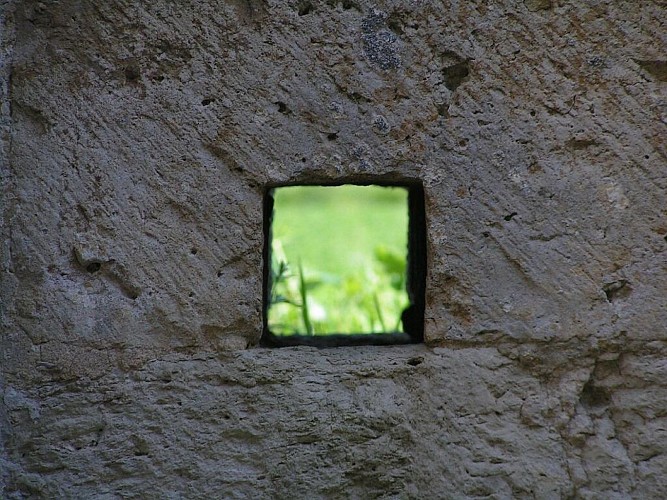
137,141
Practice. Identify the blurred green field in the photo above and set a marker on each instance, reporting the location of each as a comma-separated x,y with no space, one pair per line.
351,242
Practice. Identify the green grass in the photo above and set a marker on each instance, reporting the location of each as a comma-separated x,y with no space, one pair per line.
343,252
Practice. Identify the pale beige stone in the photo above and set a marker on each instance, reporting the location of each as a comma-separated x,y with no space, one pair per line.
137,140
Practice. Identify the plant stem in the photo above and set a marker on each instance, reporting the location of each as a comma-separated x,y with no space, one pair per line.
304,302
378,310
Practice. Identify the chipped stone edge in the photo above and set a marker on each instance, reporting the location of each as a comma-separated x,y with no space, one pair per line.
7,43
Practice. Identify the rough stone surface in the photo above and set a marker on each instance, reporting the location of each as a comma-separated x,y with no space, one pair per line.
137,140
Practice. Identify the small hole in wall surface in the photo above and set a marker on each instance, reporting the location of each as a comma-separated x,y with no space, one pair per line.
206,102
618,289
193,251
305,8
594,396
282,107
456,74
93,267
132,72
344,265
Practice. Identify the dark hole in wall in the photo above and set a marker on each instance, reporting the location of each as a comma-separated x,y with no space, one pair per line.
617,290
455,75
593,396
93,267
132,72
305,8
412,316
282,108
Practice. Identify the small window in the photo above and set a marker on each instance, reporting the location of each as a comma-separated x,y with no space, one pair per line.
344,265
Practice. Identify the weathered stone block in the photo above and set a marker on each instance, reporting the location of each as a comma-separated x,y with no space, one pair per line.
137,142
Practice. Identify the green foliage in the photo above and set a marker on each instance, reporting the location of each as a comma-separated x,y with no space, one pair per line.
393,264
364,303
350,276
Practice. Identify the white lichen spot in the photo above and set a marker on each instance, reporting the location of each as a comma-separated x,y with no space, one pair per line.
616,196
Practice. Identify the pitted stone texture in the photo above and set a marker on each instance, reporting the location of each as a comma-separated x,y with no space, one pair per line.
401,422
137,142
145,135
294,423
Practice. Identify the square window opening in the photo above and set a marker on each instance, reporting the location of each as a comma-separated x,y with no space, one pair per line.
344,264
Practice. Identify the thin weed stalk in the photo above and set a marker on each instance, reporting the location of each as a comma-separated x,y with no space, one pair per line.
304,302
